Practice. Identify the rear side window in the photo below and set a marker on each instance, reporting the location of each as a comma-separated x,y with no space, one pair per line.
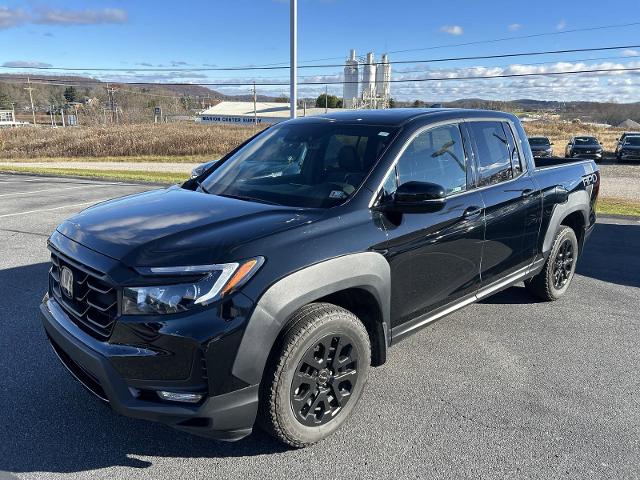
435,156
494,152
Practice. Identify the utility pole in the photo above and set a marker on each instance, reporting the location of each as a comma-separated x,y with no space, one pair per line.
13,112
255,109
293,64
62,115
33,111
53,122
112,103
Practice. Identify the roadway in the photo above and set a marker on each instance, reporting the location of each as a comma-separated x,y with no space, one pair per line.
505,388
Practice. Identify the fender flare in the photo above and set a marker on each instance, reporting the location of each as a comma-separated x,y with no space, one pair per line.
367,270
577,202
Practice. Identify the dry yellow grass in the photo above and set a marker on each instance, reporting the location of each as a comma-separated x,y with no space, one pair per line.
165,142
172,139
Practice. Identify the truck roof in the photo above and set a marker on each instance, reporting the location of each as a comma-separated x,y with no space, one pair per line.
399,116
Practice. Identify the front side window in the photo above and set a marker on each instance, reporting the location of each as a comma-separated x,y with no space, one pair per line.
305,164
435,156
494,152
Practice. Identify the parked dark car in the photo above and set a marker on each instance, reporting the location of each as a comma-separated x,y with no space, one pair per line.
630,148
239,297
621,142
541,147
584,147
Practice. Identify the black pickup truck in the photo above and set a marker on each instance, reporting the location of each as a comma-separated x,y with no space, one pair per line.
265,288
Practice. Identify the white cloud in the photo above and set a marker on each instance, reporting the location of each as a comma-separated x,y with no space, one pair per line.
514,27
25,63
45,16
11,17
452,29
631,53
80,17
562,24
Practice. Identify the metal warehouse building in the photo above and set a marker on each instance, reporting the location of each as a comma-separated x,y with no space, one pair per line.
242,113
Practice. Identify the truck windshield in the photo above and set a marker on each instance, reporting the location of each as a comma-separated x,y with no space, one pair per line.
539,141
635,141
301,164
586,141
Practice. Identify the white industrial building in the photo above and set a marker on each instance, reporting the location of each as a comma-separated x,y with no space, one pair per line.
243,113
373,89
8,119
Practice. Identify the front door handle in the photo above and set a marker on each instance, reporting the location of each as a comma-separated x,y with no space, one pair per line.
472,212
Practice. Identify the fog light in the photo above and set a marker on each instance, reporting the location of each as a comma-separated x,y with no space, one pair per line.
180,396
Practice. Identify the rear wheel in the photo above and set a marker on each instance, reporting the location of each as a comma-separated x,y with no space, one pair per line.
318,376
556,275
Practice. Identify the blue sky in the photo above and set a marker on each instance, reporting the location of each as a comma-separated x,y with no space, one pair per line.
147,34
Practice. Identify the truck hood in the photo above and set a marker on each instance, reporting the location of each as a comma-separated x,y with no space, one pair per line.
174,226
540,147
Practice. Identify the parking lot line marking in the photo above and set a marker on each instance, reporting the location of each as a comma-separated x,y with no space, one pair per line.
49,190
54,208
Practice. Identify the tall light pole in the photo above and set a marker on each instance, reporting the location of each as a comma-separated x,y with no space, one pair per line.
293,68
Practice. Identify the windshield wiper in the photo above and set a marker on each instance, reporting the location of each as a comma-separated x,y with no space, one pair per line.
249,199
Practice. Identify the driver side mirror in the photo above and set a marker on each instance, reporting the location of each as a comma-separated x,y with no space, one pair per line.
417,197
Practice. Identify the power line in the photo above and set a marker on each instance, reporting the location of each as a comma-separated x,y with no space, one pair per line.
481,42
397,62
342,82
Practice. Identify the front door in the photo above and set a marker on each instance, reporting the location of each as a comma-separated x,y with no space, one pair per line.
434,257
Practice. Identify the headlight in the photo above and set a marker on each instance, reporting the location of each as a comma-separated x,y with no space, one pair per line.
219,280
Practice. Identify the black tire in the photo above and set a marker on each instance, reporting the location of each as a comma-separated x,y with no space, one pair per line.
303,402
556,275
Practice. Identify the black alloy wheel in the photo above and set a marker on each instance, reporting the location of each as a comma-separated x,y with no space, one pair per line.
555,277
563,264
316,376
324,380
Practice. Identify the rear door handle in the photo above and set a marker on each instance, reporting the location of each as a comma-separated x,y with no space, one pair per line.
472,212
527,192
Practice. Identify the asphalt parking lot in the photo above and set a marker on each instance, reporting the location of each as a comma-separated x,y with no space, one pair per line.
505,388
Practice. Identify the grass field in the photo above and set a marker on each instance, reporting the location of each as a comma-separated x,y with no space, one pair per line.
191,142
160,140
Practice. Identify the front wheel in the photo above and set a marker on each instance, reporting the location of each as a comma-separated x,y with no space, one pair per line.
556,275
317,375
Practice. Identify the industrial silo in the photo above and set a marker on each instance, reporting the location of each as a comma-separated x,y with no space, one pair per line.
350,87
383,78
369,79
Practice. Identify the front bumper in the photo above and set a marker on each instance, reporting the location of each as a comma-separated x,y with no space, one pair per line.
630,156
228,416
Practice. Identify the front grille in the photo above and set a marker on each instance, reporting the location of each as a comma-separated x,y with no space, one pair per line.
94,305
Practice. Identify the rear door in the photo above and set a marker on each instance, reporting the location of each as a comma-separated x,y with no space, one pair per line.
434,257
510,197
